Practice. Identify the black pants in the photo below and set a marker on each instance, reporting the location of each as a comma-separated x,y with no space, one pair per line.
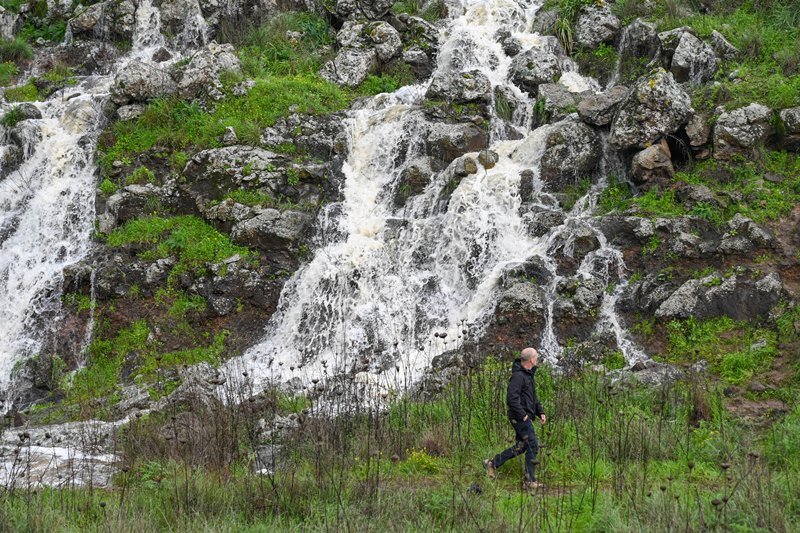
526,442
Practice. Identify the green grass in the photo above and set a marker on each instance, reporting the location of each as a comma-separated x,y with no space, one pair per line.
192,241
141,175
12,117
15,50
8,71
767,36
23,93
108,187
735,350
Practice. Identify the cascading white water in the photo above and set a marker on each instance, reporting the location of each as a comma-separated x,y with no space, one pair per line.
383,279
47,204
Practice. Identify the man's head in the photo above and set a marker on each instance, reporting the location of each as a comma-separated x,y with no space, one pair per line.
529,357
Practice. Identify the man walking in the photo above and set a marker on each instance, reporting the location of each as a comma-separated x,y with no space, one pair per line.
523,407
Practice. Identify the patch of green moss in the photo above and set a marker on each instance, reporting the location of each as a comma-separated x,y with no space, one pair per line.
22,93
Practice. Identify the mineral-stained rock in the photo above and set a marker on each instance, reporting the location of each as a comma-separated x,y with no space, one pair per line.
460,87
596,25
201,75
534,67
717,295
139,82
598,109
742,130
653,166
693,61
656,106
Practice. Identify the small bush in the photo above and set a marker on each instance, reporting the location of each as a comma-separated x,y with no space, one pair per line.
15,50
8,71
12,117
22,93
141,176
108,187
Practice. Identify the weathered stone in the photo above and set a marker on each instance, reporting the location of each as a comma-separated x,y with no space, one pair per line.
670,40
653,166
201,76
639,41
28,111
545,22
572,151
130,112
656,106
273,229
112,20
460,87
446,142
717,295
693,61
10,24
744,236
465,166
488,158
596,25
140,82
419,61
558,100
350,67
385,39
724,50
599,109
534,67
413,180
742,130
372,10
698,130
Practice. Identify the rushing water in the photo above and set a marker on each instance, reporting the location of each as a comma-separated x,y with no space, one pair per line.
383,280
47,204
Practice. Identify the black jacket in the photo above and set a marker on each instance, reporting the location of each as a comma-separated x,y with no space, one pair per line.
521,397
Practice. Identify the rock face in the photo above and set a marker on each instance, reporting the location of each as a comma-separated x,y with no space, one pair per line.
371,10
140,82
656,106
534,67
742,130
639,43
363,47
653,166
596,25
598,109
112,19
724,50
790,119
713,296
572,151
200,78
693,61
460,87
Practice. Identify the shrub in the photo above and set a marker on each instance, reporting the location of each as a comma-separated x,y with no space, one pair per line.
12,117
8,71
15,50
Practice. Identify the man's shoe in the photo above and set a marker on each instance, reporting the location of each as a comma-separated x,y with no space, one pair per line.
532,485
491,471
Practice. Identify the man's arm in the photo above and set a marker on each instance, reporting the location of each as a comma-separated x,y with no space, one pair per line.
513,398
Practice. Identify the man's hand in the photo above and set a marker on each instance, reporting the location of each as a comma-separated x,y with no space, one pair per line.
543,418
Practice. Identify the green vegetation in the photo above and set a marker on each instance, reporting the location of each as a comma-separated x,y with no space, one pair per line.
738,186
433,11
190,240
141,176
735,350
8,71
12,117
672,453
108,187
15,50
22,93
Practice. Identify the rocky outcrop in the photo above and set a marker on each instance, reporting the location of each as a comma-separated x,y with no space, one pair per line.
534,67
638,46
716,295
724,49
363,47
599,109
460,87
596,25
653,166
656,106
446,142
558,100
742,130
693,60
200,77
357,9
112,19
572,151
140,82
790,122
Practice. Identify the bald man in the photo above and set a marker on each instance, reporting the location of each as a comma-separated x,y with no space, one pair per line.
523,407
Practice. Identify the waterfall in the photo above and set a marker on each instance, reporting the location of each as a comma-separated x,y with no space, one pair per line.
383,280
47,205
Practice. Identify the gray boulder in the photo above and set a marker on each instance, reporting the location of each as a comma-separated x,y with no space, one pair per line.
699,132
653,166
545,22
201,76
716,295
598,109
178,18
790,118
534,67
742,130
272,229
744,236
572,151
596,25
385,39
724,50
693,61
656,106
10,24
460,87
558,101
112,20
446,142
139,82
